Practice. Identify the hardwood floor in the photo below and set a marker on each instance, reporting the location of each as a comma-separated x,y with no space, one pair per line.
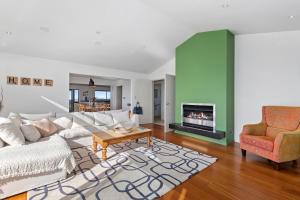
232,176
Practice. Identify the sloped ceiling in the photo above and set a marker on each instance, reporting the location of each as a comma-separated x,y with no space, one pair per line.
134,35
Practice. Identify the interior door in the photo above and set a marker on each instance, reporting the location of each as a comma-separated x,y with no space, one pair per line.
169,101
142,93
119,97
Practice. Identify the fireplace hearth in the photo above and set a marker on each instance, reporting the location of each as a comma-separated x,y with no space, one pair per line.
199,116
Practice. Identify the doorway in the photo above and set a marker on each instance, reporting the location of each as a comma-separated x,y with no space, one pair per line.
119,97
158,101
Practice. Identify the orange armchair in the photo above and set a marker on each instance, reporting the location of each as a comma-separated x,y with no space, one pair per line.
276,137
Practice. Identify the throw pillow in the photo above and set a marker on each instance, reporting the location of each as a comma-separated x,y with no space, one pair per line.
15,118
45,127
35,117
30,132
63,123
75,132
102,119
11,134
121,117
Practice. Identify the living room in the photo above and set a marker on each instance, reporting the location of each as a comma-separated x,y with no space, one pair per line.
80,82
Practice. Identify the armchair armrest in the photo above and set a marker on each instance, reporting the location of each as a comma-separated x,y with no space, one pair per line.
255,129
287,146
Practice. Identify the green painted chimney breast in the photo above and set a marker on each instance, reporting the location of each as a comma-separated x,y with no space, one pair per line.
205,74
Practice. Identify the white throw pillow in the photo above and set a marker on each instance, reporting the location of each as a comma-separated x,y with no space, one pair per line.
30,132
63,123
35,117
15,118
121,117
102,119
11,134
1,143
75,132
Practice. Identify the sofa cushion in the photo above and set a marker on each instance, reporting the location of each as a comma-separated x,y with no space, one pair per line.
30,132
282,117
45,127
35,117
263,142
63,123
10,133
102,119
81,119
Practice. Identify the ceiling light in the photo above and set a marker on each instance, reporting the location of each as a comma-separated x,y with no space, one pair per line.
44,29
226,4
91,83
291,17
97,43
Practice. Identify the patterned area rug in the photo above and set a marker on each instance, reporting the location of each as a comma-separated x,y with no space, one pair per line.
132,171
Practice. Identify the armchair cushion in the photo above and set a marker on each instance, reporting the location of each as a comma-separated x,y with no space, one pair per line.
263,142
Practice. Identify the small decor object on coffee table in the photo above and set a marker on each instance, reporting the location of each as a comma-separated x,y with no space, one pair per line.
105,138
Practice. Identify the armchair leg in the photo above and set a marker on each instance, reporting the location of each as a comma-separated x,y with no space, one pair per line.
295,163
276,165
244,152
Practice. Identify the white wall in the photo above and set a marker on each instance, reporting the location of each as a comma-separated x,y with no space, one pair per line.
30,99
160,73
142,91
267,72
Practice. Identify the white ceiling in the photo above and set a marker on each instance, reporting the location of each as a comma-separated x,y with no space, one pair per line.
135,35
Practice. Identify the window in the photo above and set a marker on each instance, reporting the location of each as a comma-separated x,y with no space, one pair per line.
74,95
102,95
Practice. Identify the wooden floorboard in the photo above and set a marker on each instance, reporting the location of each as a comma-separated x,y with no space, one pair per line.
231,177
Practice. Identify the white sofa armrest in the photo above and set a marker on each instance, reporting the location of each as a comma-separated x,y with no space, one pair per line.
135,119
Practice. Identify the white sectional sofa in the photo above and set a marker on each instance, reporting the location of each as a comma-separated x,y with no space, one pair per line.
74,129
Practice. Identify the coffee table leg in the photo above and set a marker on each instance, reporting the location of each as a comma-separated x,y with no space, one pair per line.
104,151
149,141
94,146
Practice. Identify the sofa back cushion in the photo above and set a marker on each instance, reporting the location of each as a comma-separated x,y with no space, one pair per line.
281,118
121,117
83,119
35,117
102,119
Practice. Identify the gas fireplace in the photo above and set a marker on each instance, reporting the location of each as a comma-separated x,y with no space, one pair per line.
199,116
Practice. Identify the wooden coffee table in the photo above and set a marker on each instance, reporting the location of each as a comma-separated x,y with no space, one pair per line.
105,138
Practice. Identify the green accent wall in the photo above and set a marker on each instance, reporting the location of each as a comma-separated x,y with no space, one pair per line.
205,74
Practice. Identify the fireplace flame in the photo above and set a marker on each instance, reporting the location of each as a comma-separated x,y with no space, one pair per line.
200,115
